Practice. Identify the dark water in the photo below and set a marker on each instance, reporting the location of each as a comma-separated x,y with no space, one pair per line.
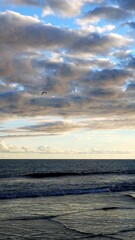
33,178
61,199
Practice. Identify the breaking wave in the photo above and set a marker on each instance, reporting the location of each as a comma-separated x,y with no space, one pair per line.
63,192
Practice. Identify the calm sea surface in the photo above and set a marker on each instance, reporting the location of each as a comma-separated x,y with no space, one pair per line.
67,199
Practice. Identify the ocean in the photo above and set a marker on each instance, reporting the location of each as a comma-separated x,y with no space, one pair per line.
67,199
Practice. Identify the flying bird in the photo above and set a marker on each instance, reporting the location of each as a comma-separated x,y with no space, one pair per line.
44,92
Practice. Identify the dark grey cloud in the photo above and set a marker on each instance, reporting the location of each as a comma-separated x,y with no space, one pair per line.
97,103
106,12
59,70
107,77
130,24
126,4
91,102
99,44
103,93
130,62
83,63
20,32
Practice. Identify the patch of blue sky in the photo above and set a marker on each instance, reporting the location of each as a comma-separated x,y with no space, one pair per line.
13,124
60,21
123,29
32,11
89,7
37,12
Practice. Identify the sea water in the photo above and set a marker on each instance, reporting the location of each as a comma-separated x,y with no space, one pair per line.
67,199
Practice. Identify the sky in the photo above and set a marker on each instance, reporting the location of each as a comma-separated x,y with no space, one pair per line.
82,53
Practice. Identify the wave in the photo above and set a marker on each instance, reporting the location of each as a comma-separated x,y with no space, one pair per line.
62,192
53,193
52,174
130,195
64,174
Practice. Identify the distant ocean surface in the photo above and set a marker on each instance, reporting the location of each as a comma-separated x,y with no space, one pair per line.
67,199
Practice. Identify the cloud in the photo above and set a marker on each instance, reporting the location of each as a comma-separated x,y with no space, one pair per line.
99,93
113,123
130,24
107,77
81,67
106,12
87,27
9,148
102,121
127,4
129,87
4,147
65,8
96,43
130,62
49,149
26,68
20,32
45,149
57,127
121,54
62,8
88,125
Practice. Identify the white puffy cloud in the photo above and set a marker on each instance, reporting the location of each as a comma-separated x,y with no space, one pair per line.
65,8
9,148
45,149
87,27
4,147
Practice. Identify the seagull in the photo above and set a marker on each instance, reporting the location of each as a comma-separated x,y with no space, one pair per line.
44,92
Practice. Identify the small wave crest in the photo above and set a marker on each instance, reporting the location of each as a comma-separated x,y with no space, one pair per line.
119,187
54,193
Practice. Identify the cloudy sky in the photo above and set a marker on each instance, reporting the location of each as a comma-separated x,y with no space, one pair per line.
82,53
